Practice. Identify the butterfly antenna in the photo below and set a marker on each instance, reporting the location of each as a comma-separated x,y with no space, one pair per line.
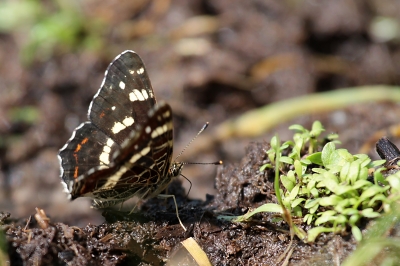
190,142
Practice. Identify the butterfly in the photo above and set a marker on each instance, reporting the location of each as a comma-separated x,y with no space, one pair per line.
125,149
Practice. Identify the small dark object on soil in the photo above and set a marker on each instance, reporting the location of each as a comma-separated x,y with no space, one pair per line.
388,151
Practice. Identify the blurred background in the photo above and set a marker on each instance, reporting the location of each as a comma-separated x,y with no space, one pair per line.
210,60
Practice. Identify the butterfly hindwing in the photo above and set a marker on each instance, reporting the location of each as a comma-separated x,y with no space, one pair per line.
87,149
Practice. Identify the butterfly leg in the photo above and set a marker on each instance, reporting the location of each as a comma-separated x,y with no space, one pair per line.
164,196
140,200
120,207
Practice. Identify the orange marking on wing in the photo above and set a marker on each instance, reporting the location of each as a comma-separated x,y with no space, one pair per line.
102,114
76,172
78,147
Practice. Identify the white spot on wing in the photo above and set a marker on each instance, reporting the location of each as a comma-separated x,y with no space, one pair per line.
122,85
140,71
151,94
135,158
144,93
139,95
118,127
159,131
148,129
128,121
113,108
145,151
139,155
105,155
110,142
133,97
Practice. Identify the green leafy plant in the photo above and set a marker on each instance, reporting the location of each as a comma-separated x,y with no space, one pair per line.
46,27
330,188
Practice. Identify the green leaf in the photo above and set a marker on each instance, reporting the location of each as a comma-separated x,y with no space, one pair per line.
363,159
332,137
349,211
344,172
378,177
287,182
319,170
311,203
330,201
316,129
345,203
294,192
394,181
330,181
299,169
287,144
354,219
332,157
344,189
313,233
274,143
356,233
380,197
345,155
376,163
265,166
316,158
297,211
371,191
328,213
268,207
313,209
370,213
328,153
341,219
314,191
363,174
308,218
325,219
284,146
305,162
286,159
297,202
297,127
354,172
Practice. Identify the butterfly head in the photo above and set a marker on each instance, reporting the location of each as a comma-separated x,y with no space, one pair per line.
175,169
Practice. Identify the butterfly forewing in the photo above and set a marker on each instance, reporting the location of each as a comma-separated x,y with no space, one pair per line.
124,98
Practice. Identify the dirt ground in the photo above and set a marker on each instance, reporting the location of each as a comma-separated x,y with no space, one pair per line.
211,61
